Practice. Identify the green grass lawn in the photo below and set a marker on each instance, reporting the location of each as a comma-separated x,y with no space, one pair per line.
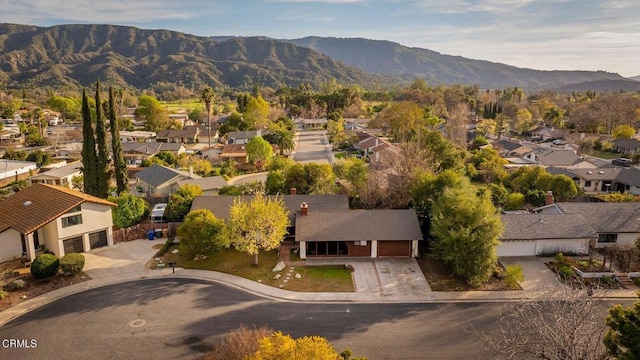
604,154
230,261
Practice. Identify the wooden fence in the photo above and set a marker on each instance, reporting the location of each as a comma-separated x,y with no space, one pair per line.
141,231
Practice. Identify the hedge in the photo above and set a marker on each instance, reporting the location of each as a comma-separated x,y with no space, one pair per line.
72,264
44,266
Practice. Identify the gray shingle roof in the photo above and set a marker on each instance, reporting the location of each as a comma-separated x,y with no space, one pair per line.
356,225
606,217
545,226
206,183
629,176
627,144
157,175
558,157
587,174
219,205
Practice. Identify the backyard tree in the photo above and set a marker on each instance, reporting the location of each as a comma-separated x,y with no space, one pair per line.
180,202
280,346
154,114
89,157
259,151
102,155
623,132
200,232
256,114
353,170
466,227
622,339
119,165
257,225
129,211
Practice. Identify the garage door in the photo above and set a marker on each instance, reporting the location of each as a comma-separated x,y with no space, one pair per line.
98,239
73,245
394,248
517,248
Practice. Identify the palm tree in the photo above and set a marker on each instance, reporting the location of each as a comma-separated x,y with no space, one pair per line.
284,140
207,97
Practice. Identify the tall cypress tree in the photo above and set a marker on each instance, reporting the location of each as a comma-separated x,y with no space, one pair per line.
119,166
102,158
88,148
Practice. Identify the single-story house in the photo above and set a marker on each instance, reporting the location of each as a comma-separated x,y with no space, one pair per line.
537,234
134,153
628,181
242,137
185,136
158,180
62,220
137,136
204,131
357,233
603,179
626,146
323,225
12,170
10,135
235,152
61,176
557,158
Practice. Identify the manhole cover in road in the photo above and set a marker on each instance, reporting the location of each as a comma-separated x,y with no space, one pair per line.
138,323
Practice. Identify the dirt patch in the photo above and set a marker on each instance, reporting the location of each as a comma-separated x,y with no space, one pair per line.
13,270
441,278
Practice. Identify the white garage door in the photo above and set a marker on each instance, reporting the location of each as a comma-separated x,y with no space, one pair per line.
517,248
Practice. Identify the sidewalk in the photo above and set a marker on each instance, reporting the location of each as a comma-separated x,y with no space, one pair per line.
126,262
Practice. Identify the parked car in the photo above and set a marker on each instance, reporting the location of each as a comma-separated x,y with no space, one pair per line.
622,162
558,142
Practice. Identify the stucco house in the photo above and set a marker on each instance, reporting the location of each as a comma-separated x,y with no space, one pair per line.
626,146
185,136
12,170
62,220
61,176
603,179
242,137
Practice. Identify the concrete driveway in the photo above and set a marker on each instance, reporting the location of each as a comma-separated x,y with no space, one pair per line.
390,277
537,276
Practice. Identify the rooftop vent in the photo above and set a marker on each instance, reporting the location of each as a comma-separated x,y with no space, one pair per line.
26,203
601,172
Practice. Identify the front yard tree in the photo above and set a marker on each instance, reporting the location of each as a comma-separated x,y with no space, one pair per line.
259,151
466,227
119,165
257,225
622,339
200,232
89,160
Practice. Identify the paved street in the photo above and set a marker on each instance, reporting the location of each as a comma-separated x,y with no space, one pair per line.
177,318
313,146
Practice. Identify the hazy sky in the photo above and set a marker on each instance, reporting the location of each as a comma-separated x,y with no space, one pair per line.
538,34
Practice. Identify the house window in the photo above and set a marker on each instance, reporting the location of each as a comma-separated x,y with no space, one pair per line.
75,209
587,183
607,238
71,220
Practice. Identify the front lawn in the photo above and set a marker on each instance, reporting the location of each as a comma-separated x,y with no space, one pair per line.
604,154
230,261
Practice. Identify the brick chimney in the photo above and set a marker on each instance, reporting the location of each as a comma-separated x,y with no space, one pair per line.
304,208
548,198
293,191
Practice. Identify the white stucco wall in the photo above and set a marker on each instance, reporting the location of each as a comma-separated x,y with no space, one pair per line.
623,239
10,245
94,217
538,247
48,236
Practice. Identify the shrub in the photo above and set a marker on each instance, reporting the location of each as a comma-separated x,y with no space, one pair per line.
44,266
72,264
3,294
16,285
513,275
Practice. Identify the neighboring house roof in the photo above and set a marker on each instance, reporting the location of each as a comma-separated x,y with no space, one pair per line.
506,144
545,226
178,133
156,175
206,183
520,151
244,134
150,148
607,217
602,174
557,157
219,205
233,150
626,144
59,173
356,225
39,204
629,176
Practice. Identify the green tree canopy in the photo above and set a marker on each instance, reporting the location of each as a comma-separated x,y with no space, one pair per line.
257,113
623,132
130,210
353,170
257,225
153,113
201,232
180,202
259,151
622,339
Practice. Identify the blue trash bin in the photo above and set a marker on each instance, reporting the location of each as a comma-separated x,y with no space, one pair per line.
151,234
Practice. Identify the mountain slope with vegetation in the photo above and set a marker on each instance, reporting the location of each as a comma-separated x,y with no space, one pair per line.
79,54
389,58
603,86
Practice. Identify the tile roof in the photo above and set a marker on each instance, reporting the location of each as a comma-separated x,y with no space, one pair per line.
219,205
355,225
39,204
157,175
607,217
545,226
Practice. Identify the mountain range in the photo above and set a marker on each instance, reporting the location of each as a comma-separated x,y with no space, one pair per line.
72,55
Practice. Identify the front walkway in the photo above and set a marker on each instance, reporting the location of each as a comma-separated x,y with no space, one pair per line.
537,276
